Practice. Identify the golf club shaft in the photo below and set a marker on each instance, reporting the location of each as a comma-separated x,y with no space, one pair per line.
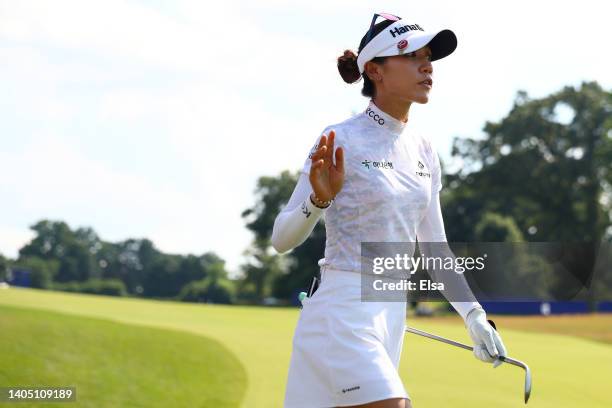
456,343
527,389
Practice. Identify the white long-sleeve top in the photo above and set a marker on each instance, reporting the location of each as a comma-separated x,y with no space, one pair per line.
390,194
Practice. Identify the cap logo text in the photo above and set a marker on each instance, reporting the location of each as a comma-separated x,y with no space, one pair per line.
404,29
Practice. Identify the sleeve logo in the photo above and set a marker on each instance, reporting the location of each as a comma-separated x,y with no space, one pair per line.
305,210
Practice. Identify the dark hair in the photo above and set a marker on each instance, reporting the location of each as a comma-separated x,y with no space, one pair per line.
347,62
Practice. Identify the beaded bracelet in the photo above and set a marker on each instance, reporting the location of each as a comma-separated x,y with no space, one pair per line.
320,204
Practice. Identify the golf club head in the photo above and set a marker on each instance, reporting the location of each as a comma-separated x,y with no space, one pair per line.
518,363
527,383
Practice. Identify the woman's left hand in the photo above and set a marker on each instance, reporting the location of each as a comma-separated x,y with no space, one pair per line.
488,345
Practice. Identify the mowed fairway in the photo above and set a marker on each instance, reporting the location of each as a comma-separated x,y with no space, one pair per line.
568,371
114,364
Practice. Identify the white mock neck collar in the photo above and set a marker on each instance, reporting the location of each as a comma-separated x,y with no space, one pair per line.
381,119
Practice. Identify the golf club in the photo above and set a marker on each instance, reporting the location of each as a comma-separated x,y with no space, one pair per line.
465,346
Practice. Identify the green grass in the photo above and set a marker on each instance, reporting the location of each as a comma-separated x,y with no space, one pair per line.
113,364
567,371
259,337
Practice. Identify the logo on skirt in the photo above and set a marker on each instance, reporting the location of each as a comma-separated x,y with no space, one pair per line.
345,390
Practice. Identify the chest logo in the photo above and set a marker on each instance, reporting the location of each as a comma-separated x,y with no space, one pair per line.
421,166
377,164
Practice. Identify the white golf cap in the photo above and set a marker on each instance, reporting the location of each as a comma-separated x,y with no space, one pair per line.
403,38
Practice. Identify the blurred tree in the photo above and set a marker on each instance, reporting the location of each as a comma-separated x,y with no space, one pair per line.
42,271
497,228
131,261
215,288
110,287
546,164
161,279
261,270
271,194
3,268
261,267
209,290
55,240
279,275
302,265
168,274
86,263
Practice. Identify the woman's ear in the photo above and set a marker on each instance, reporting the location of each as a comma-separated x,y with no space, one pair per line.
372,70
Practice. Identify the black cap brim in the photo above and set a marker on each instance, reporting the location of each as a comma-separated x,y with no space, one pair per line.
442,44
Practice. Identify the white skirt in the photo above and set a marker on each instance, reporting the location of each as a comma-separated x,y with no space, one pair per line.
345,351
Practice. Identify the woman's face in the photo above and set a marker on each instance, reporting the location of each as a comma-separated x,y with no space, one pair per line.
400,76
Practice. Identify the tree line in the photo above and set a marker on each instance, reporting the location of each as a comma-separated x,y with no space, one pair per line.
78,260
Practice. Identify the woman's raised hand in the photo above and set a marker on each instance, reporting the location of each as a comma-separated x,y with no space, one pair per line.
326,178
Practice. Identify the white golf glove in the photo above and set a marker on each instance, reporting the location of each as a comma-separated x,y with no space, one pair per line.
488,344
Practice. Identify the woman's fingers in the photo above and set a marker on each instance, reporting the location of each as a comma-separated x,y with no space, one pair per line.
317,164
319,153
322,141
330,145
326,176
315,170
340,160
322,149
325,153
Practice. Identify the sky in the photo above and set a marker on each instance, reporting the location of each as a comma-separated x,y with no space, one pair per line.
153,119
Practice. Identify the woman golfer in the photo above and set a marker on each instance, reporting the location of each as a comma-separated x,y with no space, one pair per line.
380,184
